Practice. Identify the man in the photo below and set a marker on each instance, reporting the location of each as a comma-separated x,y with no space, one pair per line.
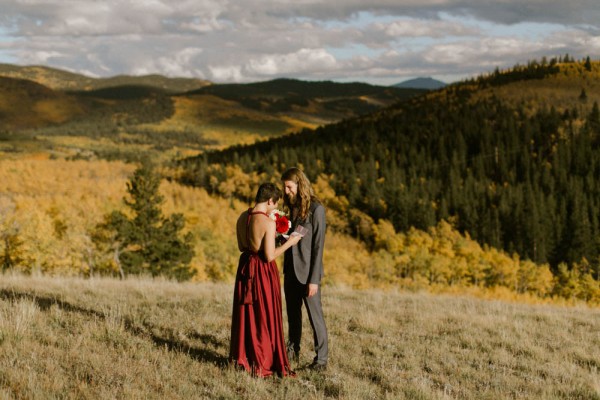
303,266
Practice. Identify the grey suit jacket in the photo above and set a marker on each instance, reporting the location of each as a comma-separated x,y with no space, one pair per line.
307,255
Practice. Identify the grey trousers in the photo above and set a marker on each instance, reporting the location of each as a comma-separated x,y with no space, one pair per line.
295,296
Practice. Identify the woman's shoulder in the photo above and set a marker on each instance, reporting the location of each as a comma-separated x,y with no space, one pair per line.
260,219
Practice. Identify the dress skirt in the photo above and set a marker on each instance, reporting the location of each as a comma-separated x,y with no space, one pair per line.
257,341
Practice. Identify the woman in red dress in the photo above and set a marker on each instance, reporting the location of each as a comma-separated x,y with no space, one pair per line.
257,341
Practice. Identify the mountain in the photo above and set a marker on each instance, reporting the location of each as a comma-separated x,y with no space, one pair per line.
63,80
293,87
421,83
512,158
121,117
25,104
288,105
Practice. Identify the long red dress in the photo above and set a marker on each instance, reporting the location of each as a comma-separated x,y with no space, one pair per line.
257,341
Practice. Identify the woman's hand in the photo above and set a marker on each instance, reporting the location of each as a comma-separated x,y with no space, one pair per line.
272,252
294,239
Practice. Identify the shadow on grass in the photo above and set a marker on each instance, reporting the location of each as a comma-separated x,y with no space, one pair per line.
198,354
144,331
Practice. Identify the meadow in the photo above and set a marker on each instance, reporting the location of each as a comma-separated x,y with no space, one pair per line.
102,338
412,314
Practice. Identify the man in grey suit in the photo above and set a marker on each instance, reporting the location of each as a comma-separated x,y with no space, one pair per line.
303,266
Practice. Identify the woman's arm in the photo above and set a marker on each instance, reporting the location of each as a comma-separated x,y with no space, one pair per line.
272,252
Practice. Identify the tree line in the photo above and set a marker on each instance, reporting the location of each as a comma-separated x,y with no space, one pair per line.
522,181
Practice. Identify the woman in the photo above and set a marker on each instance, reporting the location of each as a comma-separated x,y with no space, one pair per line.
257,342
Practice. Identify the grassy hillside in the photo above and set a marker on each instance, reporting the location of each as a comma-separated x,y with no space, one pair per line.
72,115
144,339
63,80
25,104
561,89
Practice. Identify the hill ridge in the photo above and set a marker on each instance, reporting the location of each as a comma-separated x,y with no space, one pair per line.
135,114
472,152
65,80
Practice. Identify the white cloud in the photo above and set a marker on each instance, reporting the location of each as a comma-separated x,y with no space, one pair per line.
235,40
303,60
231,73
423,28
42,57
180,64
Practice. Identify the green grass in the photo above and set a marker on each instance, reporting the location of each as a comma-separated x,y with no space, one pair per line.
145,339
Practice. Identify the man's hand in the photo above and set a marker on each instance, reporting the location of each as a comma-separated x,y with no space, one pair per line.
313,288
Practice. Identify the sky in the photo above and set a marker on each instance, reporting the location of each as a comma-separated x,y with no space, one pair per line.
382,42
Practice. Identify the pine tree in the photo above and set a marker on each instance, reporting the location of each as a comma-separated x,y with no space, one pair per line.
12,254
593,119
588,64
148,242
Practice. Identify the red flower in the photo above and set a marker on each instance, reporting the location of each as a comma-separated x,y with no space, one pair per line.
282,223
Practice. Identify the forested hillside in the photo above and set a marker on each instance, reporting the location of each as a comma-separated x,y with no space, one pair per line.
487,187
496,156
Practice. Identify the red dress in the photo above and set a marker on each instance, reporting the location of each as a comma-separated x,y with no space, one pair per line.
257,341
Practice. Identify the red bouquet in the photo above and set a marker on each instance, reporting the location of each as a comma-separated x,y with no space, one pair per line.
282,223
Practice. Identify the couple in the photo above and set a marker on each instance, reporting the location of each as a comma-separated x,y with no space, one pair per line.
257,341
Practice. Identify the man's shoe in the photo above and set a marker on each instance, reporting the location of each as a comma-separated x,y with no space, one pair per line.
315,366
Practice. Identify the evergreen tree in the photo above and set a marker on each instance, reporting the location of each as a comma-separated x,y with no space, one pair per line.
12,254
588,64
147,241
593,120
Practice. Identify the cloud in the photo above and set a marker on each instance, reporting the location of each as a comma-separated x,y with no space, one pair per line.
303,60
226,73
180,64
422,28
499,11
239,41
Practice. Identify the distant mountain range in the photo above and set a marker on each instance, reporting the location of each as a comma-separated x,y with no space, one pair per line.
421,83
63,80
42,105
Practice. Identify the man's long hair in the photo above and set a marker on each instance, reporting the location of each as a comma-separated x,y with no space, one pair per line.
305,192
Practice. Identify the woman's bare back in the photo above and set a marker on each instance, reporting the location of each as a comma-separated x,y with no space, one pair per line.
251,233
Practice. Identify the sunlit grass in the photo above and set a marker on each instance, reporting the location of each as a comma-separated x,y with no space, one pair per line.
104,338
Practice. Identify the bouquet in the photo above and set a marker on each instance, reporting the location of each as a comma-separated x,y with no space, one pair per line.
282,223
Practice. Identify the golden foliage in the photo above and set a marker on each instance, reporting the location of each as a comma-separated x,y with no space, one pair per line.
49,209
443,258
55,204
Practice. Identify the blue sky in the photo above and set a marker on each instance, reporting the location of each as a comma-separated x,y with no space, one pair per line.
380,41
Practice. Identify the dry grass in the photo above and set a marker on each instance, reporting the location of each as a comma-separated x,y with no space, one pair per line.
560,91
134,339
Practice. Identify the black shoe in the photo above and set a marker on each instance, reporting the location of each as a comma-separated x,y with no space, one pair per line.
315,366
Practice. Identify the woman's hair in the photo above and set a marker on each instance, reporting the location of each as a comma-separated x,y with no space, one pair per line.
268,191
305,191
